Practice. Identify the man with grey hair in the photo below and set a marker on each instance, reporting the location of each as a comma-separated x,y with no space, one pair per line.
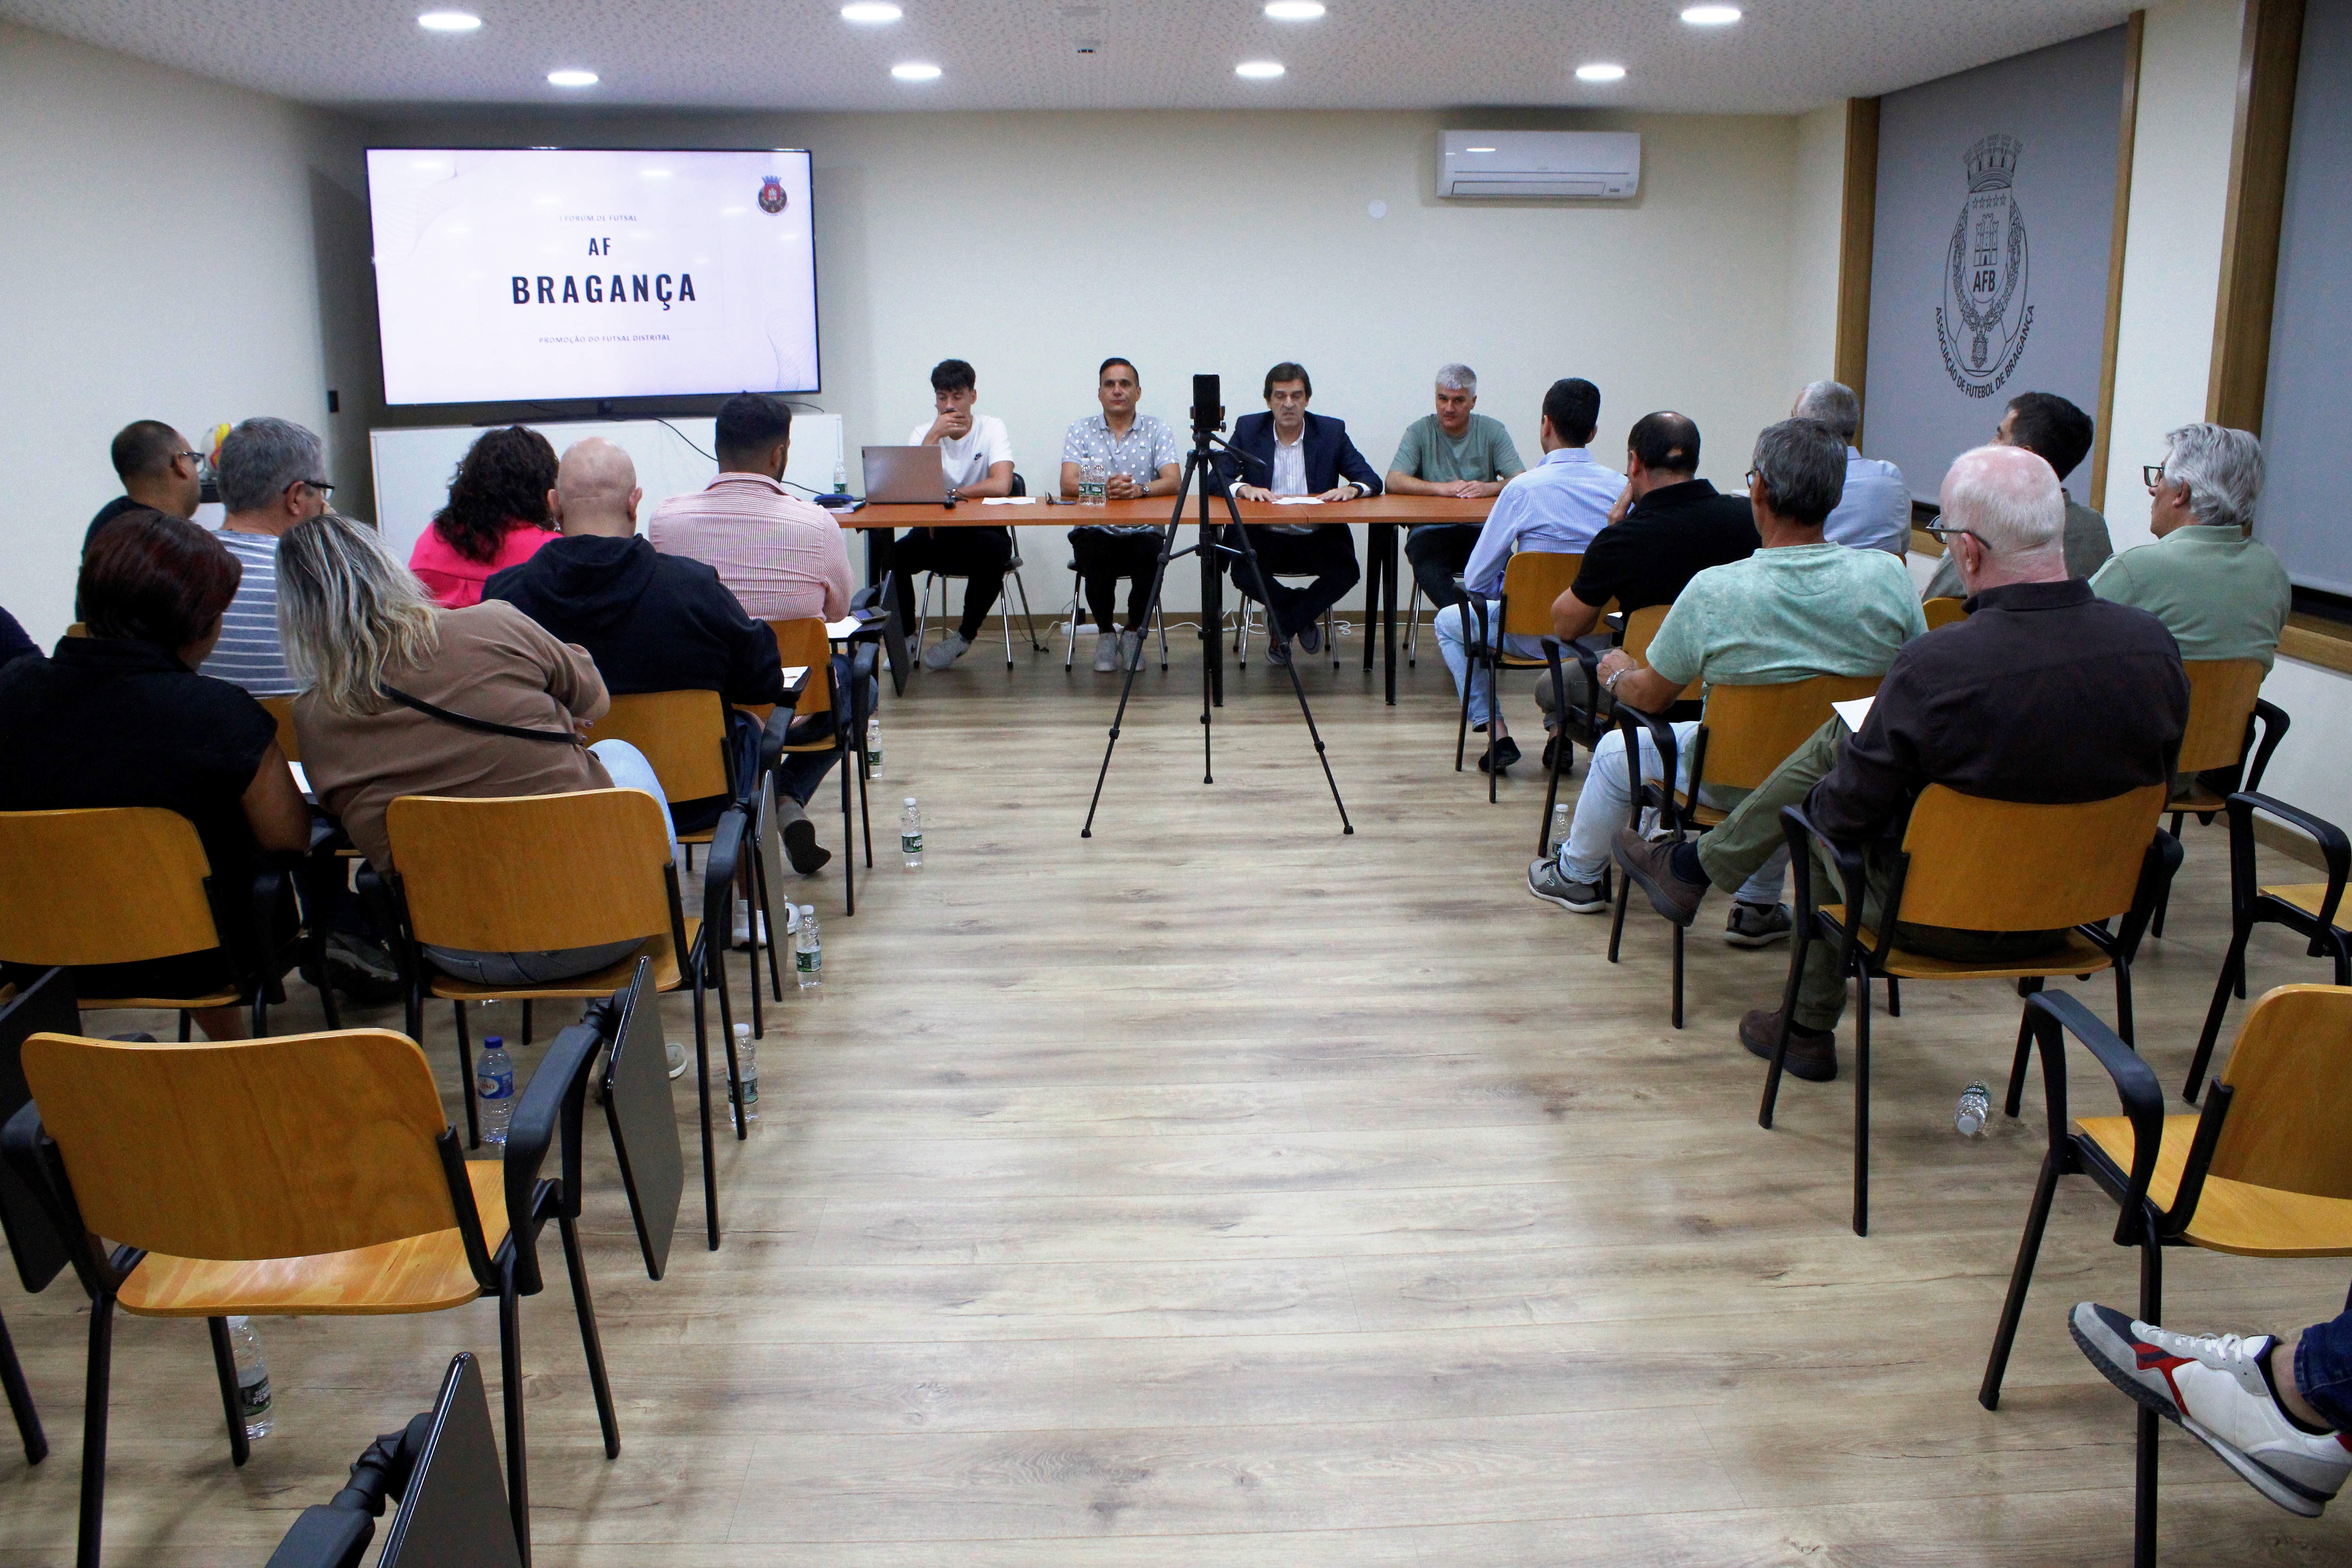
272,476
2045,694
1875,512
1797,608
1454,452
2217,591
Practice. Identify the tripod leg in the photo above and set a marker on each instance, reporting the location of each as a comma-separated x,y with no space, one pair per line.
1249,554
1126,676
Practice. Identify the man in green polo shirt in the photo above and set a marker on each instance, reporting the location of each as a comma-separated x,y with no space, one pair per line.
2218,592
1453,452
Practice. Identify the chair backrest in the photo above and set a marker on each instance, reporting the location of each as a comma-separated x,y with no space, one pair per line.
282,709
2221,693
2290,1077
113,885
682,734
2002,865
1752,729
803,642
1532,579
1943,611
247,1148
1640,627
534,872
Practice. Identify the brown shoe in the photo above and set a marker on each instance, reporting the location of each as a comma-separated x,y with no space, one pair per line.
1812,1053
1650,865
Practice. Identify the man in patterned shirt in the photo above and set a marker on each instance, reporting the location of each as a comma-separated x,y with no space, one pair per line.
1140,455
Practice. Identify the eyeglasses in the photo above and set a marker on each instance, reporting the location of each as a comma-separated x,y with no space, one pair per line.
2152,475
1944,530
321,486
196,457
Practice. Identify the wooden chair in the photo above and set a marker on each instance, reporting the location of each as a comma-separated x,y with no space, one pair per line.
2263,1171
2224,701
537,873
2310,909
1532,579
1747,732
126,884
1580,725
804,642
1011,585
1942,611
282,709
352,1199
1973,864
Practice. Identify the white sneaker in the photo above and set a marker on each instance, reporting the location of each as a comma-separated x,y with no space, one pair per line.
1130,650
2212,1384
1106,652
946,651
744,920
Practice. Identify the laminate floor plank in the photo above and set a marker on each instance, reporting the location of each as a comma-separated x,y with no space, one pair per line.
1223,1190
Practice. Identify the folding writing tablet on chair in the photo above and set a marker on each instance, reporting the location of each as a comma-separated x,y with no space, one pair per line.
643,1116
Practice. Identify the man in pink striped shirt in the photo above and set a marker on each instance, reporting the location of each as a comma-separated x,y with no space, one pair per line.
784,559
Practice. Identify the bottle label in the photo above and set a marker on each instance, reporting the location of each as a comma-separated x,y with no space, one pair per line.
252,1394
494,1085
809,960
911,843
747,1091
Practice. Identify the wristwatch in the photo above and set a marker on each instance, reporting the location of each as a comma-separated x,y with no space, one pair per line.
1610,684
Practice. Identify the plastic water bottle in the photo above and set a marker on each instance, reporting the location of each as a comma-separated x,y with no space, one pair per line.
253,1397
746,1092
1093,483
910,835
494,1089
1560,824
1975,1110
841,474
874,747
808,956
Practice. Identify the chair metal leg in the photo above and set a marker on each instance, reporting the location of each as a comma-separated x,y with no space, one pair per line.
1027,619
727,1035
240,1448
2124,1002
2016,1098
702,1090
2021,1278
93,1430
1678,974
526,1020
1861,1107
20,1401
2151,1310
1411,623
1070,650
1800,942
1560,752
848,861
592,1343
2233,970
923,610
1494,712
1462,729
1894,997
1617,915
1160,615
2164,897
465,1076
511,1395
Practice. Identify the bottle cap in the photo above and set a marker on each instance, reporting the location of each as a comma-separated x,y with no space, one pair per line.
910,800
494,1042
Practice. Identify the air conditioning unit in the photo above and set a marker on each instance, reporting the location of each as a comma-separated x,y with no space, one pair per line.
1605,166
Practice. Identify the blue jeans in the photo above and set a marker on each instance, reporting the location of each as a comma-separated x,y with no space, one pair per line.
2323,1369
1606,804
629,769
1456,630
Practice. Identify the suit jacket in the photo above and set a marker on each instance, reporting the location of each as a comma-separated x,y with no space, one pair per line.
1330,456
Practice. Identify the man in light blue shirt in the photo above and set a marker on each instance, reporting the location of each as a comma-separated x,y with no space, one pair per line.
1557,505
1876,511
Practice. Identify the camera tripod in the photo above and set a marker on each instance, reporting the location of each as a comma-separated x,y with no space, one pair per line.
1201,464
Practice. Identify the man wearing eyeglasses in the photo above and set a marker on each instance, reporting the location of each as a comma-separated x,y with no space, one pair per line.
2217,591
271,478
158,471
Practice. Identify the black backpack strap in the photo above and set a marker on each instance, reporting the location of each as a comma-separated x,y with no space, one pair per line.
468,721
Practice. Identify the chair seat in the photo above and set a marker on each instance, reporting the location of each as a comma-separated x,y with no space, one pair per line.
2305,896
2232,1216
601,982
2196,798
425,1273
217,999
2078,955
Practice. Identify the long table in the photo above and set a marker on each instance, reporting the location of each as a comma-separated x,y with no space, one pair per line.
1386,518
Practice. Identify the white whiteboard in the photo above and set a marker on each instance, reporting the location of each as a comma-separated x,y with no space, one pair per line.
413,465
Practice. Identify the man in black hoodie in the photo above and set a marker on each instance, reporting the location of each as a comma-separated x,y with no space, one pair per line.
651,622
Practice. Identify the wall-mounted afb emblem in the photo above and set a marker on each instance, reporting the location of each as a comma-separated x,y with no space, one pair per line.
1985,315
771,194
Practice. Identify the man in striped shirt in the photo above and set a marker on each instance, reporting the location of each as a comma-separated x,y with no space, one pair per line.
270,479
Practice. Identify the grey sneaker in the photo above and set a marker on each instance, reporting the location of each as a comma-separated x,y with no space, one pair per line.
1758,925
1130,648
1310,636
946,651
1546,882
1278,649
1106,652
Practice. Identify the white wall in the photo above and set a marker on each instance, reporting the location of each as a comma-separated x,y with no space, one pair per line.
162,260
1035,245
1816,225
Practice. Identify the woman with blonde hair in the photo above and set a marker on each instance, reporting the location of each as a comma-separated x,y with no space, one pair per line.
401,693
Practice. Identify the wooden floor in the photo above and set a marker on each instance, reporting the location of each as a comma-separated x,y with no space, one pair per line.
1224,1190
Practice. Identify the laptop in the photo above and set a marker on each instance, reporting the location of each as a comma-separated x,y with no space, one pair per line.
904,476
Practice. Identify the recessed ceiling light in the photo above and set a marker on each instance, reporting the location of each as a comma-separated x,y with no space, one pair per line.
571,78
448,21
915,70
1600,73
1711,15
1259,71
1294,10
870,11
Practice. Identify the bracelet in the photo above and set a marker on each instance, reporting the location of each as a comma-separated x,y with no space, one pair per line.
1610,684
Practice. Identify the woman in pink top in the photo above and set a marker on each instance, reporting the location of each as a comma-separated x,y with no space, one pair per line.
496,516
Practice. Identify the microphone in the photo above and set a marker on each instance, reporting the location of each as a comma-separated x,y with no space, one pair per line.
1208,405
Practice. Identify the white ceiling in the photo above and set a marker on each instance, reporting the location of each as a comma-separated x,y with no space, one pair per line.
1783,57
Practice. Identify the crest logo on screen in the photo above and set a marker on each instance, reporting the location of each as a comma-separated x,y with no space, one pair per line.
772,195
1985,315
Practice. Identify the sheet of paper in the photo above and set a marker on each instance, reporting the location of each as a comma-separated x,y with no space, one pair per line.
1853,713
1298,500
848,627
301,779
1008,500
792,673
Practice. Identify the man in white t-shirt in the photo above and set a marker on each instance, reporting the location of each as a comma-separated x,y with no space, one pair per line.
976,455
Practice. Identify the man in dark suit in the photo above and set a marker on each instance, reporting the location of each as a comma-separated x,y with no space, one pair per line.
1288,451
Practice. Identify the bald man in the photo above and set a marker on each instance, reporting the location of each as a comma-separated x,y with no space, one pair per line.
651,622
